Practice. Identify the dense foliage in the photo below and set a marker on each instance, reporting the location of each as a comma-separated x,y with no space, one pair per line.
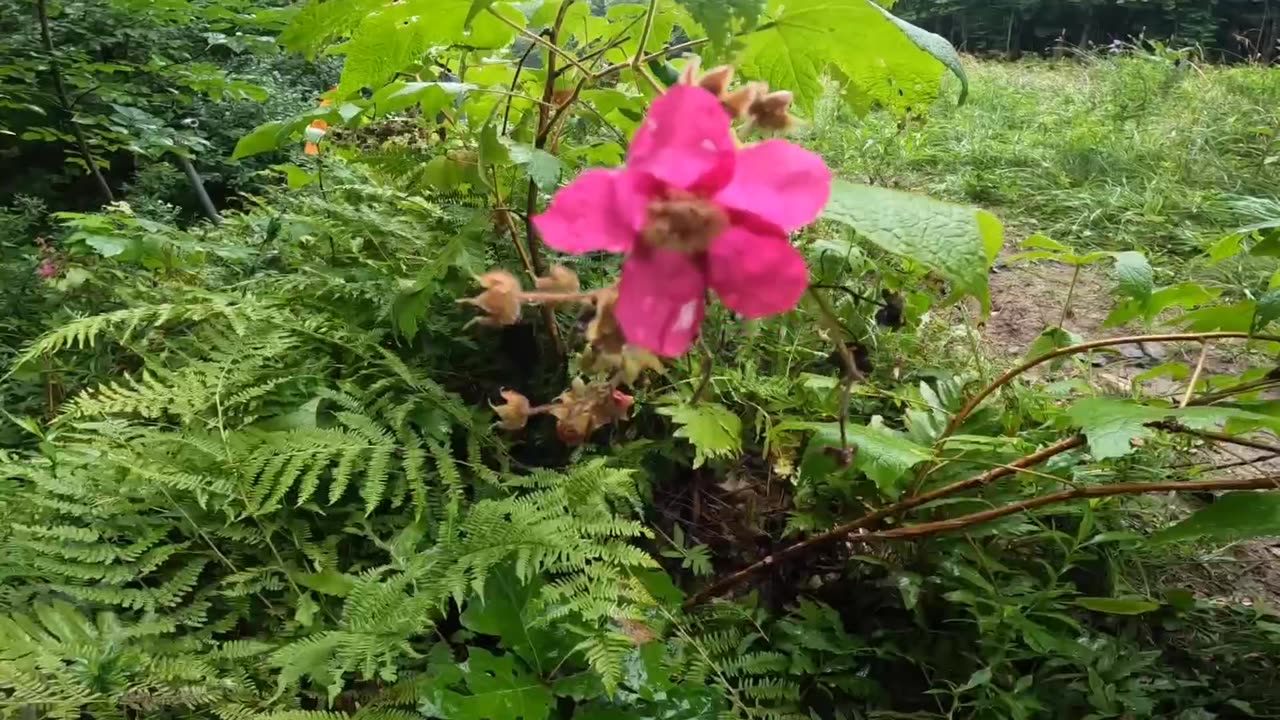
1228,29
356,443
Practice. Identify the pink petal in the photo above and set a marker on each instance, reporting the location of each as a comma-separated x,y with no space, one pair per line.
660,300
756,272
685,141
594,212
778,182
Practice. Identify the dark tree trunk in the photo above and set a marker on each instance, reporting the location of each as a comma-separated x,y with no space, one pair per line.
86,154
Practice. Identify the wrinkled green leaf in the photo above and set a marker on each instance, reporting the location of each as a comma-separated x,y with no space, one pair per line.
885,60
396,36
544,168
951,240
1111,425
883,455
107,245
721,17
1134,277
1267,311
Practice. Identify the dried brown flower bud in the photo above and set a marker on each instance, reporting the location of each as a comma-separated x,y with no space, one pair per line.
583,409
500,300
769,111
638,632
716,80
604,333
560,279
737,102
514,413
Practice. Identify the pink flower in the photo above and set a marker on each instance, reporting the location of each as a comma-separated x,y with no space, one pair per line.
693,211
48,269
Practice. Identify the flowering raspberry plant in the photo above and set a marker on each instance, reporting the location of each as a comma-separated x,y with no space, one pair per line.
692,210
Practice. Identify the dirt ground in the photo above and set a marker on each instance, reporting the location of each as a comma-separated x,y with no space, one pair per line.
1029,297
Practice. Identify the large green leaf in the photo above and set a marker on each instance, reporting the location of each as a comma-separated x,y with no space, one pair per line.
397,36
952,240
432,96
1236,516
720,17
1134,277
505,610
883,455
500,689
886,60
264,138
1111,425
320,22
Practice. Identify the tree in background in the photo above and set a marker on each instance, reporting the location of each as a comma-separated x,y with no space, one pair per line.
1229,29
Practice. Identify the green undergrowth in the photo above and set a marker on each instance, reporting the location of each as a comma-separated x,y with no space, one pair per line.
250,468
1113,153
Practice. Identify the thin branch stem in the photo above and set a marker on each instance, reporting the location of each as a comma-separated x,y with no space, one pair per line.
850,292
1219,437
515,80
1195,376
55,68
1092,491
973,403
550,46
644,33
851,373
1238,389
678,47
840,532
515,240
1071,292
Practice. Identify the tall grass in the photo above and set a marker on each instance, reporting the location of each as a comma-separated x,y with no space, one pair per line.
1113,153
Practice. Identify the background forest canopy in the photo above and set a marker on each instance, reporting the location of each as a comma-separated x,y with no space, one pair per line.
324,394
1231,30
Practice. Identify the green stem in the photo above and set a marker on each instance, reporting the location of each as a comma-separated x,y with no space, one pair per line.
1071,292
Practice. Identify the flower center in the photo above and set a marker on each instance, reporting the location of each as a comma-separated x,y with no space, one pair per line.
683,222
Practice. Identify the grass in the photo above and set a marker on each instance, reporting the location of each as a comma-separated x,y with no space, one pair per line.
1111,153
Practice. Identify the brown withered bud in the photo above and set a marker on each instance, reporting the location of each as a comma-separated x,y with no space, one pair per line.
739,101
514,412
769,110
561,96
583,409
716,80
604,333
500,300
638,632
560,279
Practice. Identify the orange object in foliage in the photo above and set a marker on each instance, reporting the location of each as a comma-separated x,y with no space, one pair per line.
313,148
